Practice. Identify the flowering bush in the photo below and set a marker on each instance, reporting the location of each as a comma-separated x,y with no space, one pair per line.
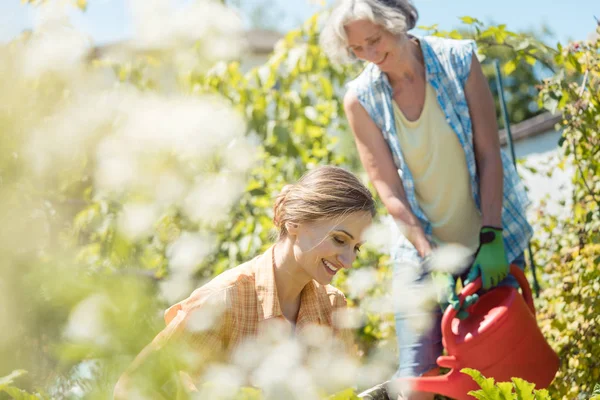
131,175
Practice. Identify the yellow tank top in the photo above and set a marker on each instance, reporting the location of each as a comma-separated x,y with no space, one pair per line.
437,162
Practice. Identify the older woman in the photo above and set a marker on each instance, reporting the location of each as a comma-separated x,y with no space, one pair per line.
425,127
320,220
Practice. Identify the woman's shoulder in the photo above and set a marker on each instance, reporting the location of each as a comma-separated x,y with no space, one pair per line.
365,78
219,291
439,43
452,50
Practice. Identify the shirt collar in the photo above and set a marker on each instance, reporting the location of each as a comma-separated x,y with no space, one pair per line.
266,291
315,306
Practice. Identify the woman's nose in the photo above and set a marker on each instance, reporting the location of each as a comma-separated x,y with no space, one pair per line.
370,53
347,258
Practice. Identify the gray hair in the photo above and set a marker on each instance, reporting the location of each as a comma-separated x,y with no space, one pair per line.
395,16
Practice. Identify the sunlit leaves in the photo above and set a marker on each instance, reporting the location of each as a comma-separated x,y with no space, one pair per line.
570,305
517,389
492,38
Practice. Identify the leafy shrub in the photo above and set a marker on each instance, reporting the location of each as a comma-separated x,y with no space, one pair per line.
569,250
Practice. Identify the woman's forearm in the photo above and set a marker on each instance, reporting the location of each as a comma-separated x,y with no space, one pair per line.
409,224
491,188
123,386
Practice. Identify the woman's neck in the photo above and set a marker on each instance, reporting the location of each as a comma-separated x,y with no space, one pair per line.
409,64
290,277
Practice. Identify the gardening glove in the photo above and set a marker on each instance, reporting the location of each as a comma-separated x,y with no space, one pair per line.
446,290
490,259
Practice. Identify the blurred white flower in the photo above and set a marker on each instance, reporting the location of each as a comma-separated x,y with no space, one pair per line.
280,362
295,385
116,172
380,305
317,336
381,235
191,127
264,71
211,198
87,321
51,14
294,55
347,318
416,301
372,374
339,373
54,45
158,24
176,287
137,220
240,155
360,281
401,386
206,317
76,392
223,381
451,258
63,139
169,189
248,355
188,251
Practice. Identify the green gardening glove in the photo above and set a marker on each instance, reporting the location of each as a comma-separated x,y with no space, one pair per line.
446,291
490,259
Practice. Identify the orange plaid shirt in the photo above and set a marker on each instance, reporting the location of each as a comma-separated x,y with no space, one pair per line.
247,296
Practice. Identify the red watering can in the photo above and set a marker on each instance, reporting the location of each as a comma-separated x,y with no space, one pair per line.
500,338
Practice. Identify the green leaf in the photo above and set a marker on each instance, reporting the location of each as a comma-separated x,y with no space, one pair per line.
509,67
523,389
530,60
480,395
542,394
487,384
506,390
249,393
82,4
326,86
428,28
470,20
348,394
562,140
20,394
8,379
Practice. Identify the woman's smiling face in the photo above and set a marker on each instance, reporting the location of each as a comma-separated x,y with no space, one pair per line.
322,248
371,42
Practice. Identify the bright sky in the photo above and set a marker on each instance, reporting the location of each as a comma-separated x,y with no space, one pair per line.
108,20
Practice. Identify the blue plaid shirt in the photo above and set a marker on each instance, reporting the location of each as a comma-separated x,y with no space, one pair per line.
447,65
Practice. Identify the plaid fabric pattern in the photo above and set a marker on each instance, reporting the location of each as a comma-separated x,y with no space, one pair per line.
247,297
447,65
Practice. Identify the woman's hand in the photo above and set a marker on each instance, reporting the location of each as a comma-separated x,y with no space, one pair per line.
490,259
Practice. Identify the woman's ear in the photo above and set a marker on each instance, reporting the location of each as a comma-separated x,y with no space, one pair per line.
291,228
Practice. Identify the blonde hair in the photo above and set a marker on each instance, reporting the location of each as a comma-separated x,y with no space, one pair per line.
395,16
323,193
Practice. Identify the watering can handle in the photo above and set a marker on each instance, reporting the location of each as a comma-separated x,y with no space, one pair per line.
474,286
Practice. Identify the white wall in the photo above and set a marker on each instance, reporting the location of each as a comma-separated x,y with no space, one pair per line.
549,183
